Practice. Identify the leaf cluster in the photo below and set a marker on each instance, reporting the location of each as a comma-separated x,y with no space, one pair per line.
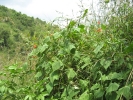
74,64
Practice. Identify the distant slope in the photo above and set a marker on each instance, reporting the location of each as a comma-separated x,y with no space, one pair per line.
16,27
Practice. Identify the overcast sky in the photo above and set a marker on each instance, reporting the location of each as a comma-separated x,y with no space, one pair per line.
46,9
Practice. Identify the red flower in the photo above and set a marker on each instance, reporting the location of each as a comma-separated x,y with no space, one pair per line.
34,46
98,22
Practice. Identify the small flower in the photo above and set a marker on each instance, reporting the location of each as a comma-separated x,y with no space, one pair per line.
34,46
76,87
98,22
99,30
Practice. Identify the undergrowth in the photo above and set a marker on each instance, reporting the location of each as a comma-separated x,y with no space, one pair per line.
77,64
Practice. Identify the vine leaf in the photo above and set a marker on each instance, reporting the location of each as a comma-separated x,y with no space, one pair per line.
98,93
49,87
125,91
84,96
56,65
98,48
105,63
85,13
54,76
71,73
112,87
38,74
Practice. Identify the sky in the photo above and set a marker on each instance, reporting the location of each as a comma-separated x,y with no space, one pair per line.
46,10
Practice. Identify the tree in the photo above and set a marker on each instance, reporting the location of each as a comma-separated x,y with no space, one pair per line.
4,35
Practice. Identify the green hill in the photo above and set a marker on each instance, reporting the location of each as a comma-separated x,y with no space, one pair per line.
19,32
15,27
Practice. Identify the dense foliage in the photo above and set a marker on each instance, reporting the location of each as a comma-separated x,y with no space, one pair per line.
16,28
77,64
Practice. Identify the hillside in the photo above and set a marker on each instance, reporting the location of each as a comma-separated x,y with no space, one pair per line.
15,25
19,32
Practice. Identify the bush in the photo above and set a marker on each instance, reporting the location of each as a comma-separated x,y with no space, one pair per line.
76,64
4,35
